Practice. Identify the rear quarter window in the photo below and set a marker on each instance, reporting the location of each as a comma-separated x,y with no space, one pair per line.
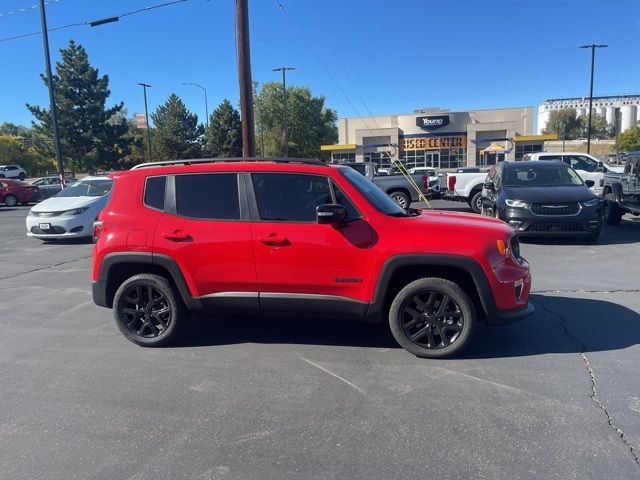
154,192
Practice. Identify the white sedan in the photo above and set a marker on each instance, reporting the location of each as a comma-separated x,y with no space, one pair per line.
71,212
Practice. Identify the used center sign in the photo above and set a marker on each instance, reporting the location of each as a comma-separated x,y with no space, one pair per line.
432,122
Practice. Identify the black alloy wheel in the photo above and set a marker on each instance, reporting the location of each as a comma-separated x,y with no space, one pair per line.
432,318
147,310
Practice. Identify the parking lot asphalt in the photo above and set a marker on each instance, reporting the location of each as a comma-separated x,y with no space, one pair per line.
554,396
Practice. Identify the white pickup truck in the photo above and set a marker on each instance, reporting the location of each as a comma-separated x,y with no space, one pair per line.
465,184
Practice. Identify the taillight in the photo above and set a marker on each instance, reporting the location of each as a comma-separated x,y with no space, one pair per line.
97,230
451,182
425,181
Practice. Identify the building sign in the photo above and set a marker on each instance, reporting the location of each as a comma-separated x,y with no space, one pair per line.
434,143
141,121
432,122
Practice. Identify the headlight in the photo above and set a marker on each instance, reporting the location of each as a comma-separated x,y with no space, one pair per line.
76,211
591,203
516,203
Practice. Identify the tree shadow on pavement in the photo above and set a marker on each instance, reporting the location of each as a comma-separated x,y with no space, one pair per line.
560,325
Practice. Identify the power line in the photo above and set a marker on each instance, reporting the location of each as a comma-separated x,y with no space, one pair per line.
94,23
28,9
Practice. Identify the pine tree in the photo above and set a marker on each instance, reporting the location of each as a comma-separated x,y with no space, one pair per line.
223,136
91,135
176,133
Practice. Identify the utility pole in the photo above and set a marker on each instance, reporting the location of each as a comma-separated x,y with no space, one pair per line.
593,58
244,76
146,114
285,135
206,102
52,99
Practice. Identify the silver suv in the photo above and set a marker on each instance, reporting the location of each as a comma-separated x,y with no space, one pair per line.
12,171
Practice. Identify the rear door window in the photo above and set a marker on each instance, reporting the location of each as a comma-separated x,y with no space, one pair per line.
212,196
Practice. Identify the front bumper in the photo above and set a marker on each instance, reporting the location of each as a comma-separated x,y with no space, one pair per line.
586,222
71,226
504,317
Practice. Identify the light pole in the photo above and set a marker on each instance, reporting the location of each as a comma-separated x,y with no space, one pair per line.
206,103
146,114
593,47
285,136
52,99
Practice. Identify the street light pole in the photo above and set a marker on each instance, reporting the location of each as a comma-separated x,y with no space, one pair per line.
52,99
146,114
206,102
593,58
285,135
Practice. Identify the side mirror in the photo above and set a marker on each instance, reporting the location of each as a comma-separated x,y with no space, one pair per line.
331,213
601,167
589,183
489,186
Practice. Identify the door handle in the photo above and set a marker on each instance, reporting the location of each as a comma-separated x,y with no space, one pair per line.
275,240
177,236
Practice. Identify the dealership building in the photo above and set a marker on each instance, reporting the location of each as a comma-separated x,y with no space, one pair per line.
438,138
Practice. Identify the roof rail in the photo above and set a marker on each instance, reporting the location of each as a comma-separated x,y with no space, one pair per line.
308,161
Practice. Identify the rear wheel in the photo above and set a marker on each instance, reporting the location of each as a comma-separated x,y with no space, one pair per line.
10,200
476,202
22,176
432,318
148,311
612,212
401,199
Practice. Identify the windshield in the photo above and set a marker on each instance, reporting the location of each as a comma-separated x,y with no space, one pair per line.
528,176
87,188
380,200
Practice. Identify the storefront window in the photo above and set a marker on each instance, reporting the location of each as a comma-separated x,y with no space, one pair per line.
521,150
340,157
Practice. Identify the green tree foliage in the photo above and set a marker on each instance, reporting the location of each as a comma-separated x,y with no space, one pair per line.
176,133
92,135
629,140
223,137
599,126
13,150
564,123
13,130
310,123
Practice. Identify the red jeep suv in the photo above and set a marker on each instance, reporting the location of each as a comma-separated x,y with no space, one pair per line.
302,237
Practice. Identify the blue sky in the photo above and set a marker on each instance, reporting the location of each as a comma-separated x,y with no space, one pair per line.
396,55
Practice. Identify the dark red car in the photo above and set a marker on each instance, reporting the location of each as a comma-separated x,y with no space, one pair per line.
13,192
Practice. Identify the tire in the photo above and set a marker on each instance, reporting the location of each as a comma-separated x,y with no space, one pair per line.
149,329
401,199
10,200
612,212
439,337
476,202
22,176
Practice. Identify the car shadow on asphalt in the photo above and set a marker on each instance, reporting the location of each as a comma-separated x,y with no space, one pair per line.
626,233
226,329
68,241
559,325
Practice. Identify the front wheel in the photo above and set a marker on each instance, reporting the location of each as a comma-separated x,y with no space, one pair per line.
432,318
401,199
612,212
10,200
148,311
476,202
